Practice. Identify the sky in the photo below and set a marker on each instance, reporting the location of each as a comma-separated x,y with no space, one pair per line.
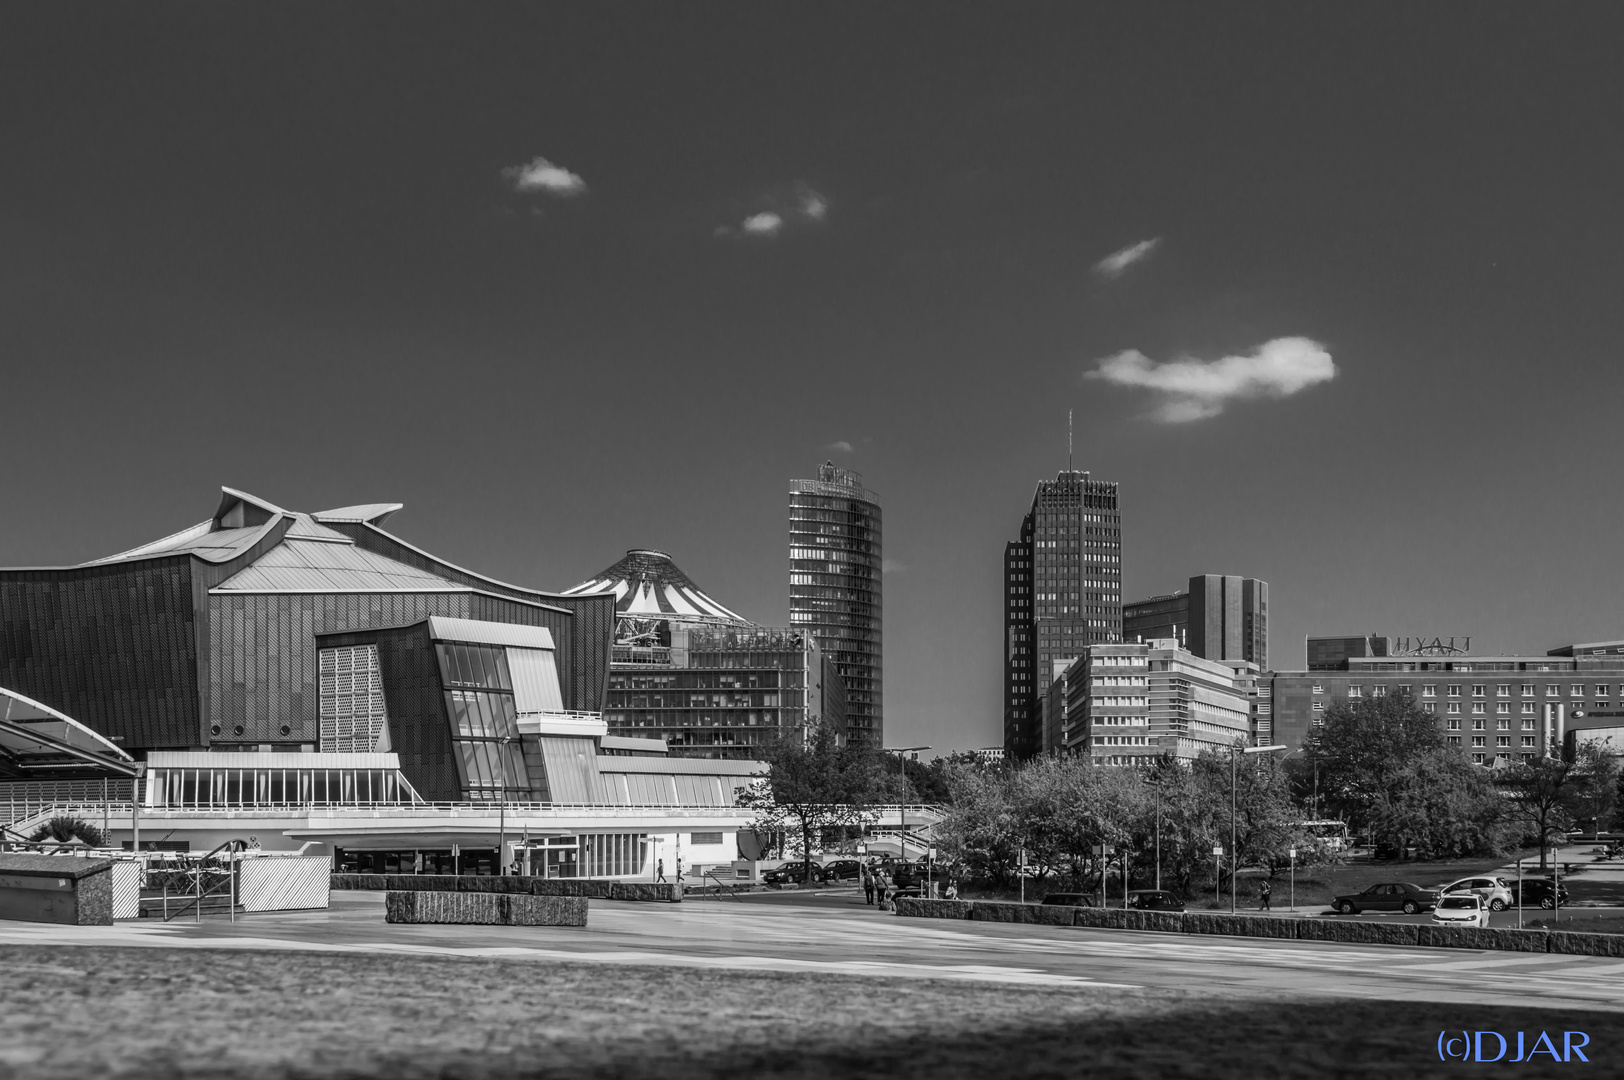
1334,292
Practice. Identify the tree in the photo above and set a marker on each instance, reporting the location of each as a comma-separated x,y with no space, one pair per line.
979,828
1441,804
1599,778
1545,793
814,784
62,829
1361,747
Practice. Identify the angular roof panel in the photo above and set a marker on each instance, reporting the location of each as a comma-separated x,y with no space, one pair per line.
326,566
367,513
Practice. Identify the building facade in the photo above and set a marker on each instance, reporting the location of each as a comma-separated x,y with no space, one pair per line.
1127,703
1220,617
1502,709
692,672
1063,594
835,568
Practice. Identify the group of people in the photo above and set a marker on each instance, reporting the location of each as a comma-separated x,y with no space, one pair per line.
879,885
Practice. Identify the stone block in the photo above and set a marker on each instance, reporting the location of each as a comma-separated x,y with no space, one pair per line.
667,892
1474,937
484,908
915,907
1357,932
1565,941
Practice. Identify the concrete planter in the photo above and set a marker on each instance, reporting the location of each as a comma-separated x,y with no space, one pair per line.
933,909
1361,933
56,889
484,909
1475,937
1565,941
650,891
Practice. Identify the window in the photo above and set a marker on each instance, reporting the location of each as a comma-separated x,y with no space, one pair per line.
1454,707
1477,759
1502,708
1454,740
1454,725
1478,740
1318,688
1503,690
1528,689
1552,690
1319,706
1528,708
700,838
1356,691
1478,725
1429,706
1502,725
1578,690
1406,688
1454,689
1528,740
1429,690
1502,740
1380,690
1527,725
1479,708
1601,689
1477,690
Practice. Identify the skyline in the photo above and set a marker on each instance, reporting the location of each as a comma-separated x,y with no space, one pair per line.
1332,294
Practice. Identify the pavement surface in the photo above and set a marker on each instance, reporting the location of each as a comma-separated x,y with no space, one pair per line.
852,939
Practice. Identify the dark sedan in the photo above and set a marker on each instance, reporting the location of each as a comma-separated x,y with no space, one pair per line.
1154,900
1538,892
843,870
792,874
1388,896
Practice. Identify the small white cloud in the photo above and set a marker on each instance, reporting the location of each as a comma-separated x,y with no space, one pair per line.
843,446
1115,263
543,176
813,205
765,223
1192,389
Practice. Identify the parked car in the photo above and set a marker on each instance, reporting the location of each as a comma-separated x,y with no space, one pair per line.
793,873
1068,899
842,870
1387,896
1154,900
1461,909
1539,892
1494,892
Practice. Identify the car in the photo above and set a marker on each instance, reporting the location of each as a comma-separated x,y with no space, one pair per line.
793,873
1539,892
1461,909
1494,892
1068,899
1387,896
842,870
1154,900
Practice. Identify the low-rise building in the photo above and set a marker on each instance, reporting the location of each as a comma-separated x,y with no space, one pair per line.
1128,703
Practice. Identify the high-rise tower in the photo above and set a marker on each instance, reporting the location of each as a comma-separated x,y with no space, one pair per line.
1062,593
834,586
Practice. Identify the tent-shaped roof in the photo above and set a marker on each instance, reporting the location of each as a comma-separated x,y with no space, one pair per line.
649,584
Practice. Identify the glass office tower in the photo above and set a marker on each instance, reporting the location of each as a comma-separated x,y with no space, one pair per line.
834,586
1062,593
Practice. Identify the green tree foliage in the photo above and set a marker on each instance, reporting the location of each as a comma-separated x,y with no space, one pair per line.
1441,804
814,786
1550,795
63,829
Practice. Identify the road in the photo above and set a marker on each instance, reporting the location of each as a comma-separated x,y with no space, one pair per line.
783,936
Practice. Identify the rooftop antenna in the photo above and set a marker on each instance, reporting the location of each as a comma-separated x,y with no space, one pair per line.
1068,442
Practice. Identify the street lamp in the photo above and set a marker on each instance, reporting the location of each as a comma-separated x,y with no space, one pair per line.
1234,852
1155,782
501,828
902,768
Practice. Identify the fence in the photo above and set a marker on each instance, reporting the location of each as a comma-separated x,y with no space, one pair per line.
284,883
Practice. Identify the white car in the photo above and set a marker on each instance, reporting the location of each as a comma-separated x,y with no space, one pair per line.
1460,909
1494,892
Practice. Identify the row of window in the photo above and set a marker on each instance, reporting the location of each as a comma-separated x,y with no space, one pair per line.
1479,690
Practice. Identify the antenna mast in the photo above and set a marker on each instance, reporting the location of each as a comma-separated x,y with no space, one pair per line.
1068,442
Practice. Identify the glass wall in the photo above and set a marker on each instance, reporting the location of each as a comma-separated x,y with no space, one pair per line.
614,855
249,787
484,721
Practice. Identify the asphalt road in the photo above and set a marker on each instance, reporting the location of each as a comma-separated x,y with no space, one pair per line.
854,939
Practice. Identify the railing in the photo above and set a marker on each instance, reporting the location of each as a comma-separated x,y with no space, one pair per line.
192,873
650,655
731,889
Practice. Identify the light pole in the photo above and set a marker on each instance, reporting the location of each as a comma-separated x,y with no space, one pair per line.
501,828
1157,784
902,768
1293,854
1234,852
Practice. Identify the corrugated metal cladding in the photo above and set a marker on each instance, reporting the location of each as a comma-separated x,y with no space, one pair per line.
262,670
113,646
321,566
535,681
651,789
211,760
572,771
488,633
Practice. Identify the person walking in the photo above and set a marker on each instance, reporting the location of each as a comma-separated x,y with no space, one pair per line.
868,887
659,870
1263,896
886,892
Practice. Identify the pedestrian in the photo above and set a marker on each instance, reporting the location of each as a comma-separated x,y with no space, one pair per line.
952,888
659,869
887,893
868,887
1263,895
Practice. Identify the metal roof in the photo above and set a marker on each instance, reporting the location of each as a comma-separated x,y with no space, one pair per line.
321,565
212,759
35,737
368,513
474,632
648,583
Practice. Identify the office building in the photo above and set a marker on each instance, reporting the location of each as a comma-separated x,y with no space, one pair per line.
1063,593
1220,617
835,587
1127,703
692,672
1498,709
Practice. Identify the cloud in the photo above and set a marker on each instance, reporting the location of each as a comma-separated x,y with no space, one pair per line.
1192,389
797,203
842,445
543,176
1113,265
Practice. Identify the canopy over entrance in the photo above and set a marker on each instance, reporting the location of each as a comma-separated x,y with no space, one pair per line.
39,743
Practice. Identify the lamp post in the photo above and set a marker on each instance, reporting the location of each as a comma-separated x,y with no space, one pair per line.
902,769
1293,854
1235,753
501,828
1157,784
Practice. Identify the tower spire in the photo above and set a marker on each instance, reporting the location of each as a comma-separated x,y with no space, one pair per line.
1068,442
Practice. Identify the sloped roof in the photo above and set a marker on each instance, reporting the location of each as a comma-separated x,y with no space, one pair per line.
649,583
367,513
34,736
329,566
